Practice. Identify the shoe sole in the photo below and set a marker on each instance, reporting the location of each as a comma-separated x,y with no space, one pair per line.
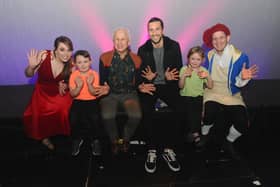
150,170
169,165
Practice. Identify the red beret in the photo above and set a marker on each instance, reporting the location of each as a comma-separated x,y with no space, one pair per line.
207,35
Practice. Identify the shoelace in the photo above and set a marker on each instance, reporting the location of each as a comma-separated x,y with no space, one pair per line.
171,155
152,157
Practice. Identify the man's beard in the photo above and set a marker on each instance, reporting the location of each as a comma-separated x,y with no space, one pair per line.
157,41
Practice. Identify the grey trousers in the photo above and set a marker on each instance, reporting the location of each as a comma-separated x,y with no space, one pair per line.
109,109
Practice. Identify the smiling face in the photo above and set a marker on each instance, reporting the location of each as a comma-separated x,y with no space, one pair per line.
82,63
121,41
155,31
220,41
63,52
195,60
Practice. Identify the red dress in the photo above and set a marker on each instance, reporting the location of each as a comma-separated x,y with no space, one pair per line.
47,113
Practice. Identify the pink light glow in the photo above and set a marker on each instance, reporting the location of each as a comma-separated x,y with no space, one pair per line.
95,25
156,8
190,32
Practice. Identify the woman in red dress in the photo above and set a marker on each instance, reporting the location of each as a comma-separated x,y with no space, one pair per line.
47,113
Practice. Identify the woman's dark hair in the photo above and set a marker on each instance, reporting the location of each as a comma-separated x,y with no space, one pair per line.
83,53
154,19
68,65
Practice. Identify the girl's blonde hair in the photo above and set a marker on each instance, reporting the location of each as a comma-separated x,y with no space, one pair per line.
196,49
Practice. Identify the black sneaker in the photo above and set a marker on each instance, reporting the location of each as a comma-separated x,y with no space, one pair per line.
150,164
76,146
198,145
229,149
204,139
96,148
170,158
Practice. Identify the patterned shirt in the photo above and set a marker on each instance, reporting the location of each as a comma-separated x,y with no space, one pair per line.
121,74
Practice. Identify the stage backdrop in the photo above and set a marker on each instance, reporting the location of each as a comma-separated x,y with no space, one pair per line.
89,23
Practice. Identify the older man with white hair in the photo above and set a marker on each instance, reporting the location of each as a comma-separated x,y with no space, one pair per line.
119,69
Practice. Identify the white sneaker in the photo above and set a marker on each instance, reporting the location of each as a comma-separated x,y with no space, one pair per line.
170,158
150,164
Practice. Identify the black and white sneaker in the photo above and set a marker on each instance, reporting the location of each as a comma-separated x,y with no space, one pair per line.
150,164
76,146
96,148
170,158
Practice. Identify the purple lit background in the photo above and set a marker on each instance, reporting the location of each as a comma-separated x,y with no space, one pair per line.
89,23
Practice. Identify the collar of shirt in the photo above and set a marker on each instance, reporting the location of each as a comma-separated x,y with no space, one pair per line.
224,59
118,56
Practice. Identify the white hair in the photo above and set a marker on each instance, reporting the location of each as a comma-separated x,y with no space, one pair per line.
125,30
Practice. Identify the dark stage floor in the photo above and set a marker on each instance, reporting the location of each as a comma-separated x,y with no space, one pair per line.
27,163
